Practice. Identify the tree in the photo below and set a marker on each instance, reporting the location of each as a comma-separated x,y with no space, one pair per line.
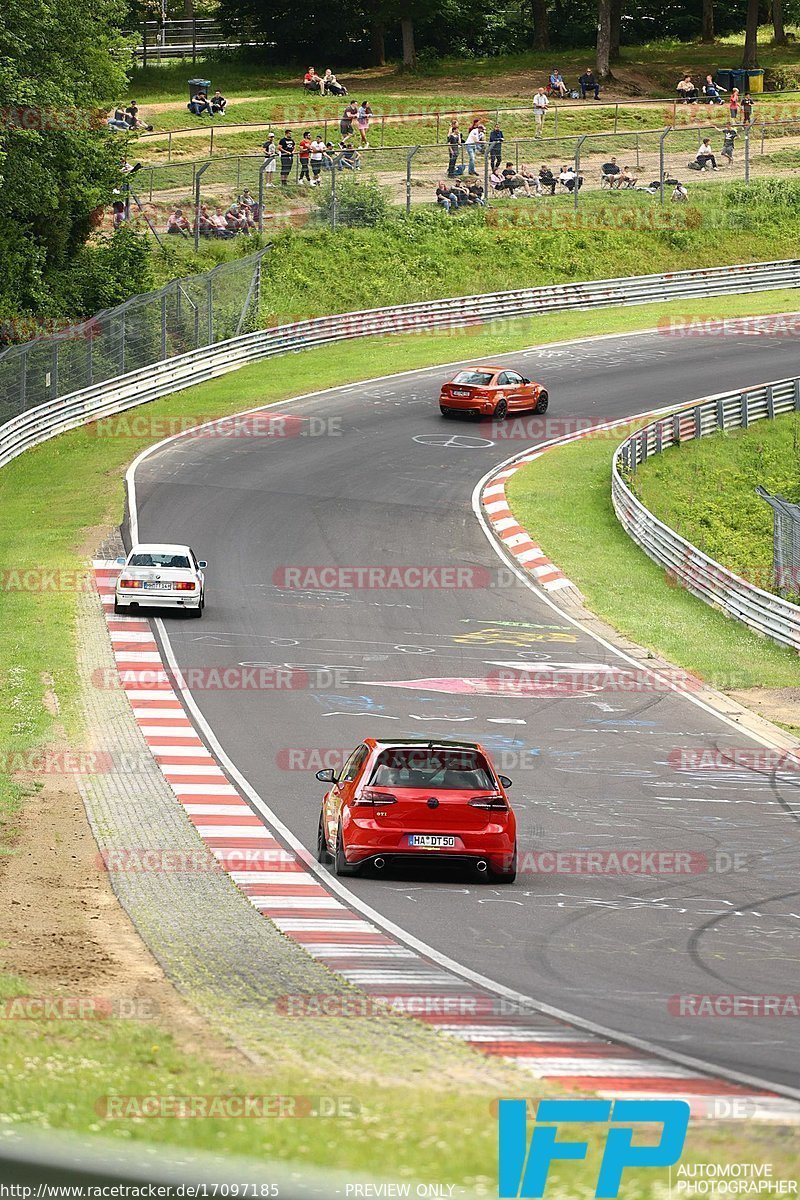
409,49
750,57
604,40
779,37
707,34
616,29
541,26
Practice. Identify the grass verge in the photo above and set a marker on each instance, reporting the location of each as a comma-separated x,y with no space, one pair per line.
54,1076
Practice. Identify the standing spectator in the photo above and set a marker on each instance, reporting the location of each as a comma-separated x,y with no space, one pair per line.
712,90
348,116
557,83
362,121
475,138
729,136
588,83
218,103
304,154
540,105
453,145
733,104
317,153
495,146
287,156
705,155
118,214
270,159
747,109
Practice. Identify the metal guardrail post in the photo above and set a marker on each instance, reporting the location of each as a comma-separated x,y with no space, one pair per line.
770,398
198,177
797,395
638,164
409,157
720,414
745,410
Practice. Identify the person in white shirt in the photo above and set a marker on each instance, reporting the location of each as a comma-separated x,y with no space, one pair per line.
475,138
317,152
540,105
567,177
705,155
270,160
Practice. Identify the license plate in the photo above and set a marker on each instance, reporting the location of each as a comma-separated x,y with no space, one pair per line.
155,586
431,841
460,392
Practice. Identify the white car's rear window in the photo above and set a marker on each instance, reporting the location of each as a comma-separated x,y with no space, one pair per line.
176,561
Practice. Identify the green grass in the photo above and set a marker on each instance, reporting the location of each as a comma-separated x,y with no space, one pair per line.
706,491
620,582
411,1124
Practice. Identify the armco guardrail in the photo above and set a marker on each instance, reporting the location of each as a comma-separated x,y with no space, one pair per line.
762,611
138,387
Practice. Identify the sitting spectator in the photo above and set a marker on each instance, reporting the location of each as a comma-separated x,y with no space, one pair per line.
461,192
567,178
627,178
588,83
712,90
118,214
119,121
177,223
332,85
248,201
125,167
557,83
531,177
611,172
349,159
220,225
218,103
476,192
679,192
512,181
312,82
204,221
199,105
547,179
235,219
445,196
705,155
729,136
686,90
133,118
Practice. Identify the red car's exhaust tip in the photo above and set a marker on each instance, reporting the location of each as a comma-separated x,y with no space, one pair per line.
379,863
481,865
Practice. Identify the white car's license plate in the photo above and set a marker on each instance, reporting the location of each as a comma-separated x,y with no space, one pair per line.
432,841
460,392
153,586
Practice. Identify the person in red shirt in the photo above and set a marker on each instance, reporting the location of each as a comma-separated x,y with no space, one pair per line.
313,82
304,154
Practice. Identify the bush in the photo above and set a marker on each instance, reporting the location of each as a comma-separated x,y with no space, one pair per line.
358,202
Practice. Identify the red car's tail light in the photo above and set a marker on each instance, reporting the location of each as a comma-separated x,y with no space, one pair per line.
376,799
130,583
494,802
185,587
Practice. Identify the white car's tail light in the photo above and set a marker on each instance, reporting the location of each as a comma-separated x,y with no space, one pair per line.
185,587
130,583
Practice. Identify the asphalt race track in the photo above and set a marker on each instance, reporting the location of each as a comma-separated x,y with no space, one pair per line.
391,484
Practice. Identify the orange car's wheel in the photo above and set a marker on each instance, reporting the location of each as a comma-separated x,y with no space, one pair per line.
501,411
542,403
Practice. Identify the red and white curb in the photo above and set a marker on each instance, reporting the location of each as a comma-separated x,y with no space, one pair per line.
279,883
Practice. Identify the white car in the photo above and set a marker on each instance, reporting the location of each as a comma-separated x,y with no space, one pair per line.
159,575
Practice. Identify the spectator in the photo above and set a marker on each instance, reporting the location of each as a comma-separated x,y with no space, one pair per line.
712,90
705,155
117,214
235,219
362,121
476,192
199,105
304,155
733,104
627,178
218,103
513,182
333,86
461,192
557,83
475,138
611,172
495,147
133,118
317,153
547,179
540,105
312,82
453,145
349,159
250,204
531,177
588,83
729,136
679,192
270,159
348,116
567,178
117,120
445,196
686,90
327,157
220,225
125,167
287,156
204,221
177,223
747,109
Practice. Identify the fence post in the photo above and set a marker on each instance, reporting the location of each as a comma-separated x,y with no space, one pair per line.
661,169
197,179
486,159
169,146
54,370
676,428
409,157
194,38
797,395
577,187
211,144
383,129
638,164
747,154
90,328
334,201
164,325
555,122
261,171
720,414
770,402
616,116
438,121
210,308
122,342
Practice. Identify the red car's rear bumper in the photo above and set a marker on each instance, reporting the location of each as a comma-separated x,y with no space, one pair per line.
367,840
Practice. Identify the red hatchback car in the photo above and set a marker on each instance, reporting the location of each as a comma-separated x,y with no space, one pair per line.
405,799
491,392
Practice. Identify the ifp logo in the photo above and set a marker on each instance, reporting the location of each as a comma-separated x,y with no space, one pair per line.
524,1168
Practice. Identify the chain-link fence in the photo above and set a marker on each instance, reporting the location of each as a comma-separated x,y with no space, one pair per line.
183,316
785,544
